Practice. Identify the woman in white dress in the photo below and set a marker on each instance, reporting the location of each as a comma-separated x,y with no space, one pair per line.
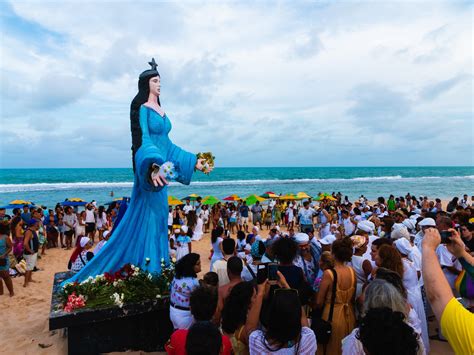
410,281
81,225
197,234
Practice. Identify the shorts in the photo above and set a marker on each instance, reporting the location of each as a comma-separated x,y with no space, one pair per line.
90,227
30,261
244,220
257,218
69,233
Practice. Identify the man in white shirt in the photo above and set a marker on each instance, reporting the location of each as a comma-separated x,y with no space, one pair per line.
187,207
70,222
349,227
90,221
306,218
464,203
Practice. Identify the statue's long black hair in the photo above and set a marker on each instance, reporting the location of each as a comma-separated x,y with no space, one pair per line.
138,100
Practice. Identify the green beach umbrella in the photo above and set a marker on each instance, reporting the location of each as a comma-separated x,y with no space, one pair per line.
252,199
210,200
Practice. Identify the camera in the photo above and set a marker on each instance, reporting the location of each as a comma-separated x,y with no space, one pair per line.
446,237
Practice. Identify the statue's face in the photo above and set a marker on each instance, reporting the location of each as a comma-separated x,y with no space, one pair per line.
155,85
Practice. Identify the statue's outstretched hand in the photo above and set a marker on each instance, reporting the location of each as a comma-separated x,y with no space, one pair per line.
156,178
201,165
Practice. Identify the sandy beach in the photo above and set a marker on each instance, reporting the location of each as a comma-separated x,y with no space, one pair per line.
25,327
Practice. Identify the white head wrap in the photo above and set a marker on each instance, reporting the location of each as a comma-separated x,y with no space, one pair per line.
403,246
366,226
328,240
400,232
301,238
84,241
184,229
427,222
409,223
105,234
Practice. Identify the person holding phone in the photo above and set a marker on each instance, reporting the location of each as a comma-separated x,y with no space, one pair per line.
456,322
287,328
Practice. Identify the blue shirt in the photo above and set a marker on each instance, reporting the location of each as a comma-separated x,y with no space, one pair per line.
244,211
306,216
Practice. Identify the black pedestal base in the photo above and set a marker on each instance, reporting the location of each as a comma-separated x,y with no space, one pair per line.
141,326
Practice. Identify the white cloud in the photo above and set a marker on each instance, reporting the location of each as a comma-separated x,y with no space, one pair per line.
251,82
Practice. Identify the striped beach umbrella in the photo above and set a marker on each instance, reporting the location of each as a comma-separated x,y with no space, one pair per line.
269,194
233,197
192,197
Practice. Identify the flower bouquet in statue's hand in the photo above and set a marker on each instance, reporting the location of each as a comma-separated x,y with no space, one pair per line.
160,174
205,162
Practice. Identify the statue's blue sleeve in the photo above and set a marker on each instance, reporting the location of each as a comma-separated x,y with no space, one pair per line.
146,155
183,161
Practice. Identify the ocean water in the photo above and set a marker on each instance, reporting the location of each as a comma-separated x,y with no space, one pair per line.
49,186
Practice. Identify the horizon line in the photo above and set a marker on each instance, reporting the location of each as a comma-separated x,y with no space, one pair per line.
267,167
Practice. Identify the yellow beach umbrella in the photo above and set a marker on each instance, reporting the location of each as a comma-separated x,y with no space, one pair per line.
75,199
173,201
21,202
302,195
289,197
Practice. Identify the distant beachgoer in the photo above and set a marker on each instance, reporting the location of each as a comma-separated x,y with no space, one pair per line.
70,222
81,224
216,241
30,247
5,249
90,221
101,221
81,255
257,214
16,228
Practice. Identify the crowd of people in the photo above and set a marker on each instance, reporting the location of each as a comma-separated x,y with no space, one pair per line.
30,231
330,276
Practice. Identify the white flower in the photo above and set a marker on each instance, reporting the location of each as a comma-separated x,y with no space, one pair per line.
158,296
150,276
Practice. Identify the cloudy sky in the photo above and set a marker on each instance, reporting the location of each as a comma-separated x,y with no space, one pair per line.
313,83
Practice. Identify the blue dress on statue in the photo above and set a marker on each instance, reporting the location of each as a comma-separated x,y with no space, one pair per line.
143,231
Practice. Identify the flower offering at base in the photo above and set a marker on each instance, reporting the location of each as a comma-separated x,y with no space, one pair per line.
128,285
208,163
